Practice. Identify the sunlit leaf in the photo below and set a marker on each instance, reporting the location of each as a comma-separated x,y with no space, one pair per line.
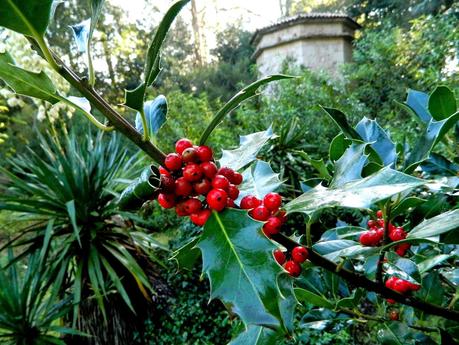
257,335
437,225
336,249
81,34
417,101
155,113
350,165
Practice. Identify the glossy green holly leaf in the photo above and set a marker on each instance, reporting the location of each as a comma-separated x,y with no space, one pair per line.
356,194
395,333
432,290
402,268
257,335
440,224
306,296
237,258
258,180
134,98
27,83
342,232
405,205
246,153
442,103
417,102
336,249
337,147
433,133
318,164
341,121
155,113
433,261
187,255
437,164
371,132
244,94
350,165
28,17
353,300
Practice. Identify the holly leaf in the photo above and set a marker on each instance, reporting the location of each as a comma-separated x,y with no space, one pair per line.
433,133
350,165
27,83
436,164
306,296
431,262
371,132
238,260
257,335
187,255
442,103
435,226
155,113
356,194
336,249
81,34
432,290
417,102
249,146
28,17
338,145
258,180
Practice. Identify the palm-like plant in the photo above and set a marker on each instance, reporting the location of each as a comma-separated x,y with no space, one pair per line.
68,192
31,310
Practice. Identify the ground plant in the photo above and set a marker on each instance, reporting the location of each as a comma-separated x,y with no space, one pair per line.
367,236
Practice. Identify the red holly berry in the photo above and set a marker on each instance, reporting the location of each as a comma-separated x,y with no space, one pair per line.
209,169
181,210
227,172
237,179
249,202
182,144
369,238
200,218
393,315
220,182
379,214
166,200
372,223
190,155
401,286
260,213
230,203
192,172
401,249
292,268
390,282
280,257
173,161
217,199
202,187
183,187
233,191
167,183
380,223
397,234
272,201
299,254
192,205
391,301
163,171
272,226
204,153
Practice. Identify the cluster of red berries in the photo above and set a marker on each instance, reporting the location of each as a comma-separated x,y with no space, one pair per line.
374,236
192,183
401,286
298,255
266,210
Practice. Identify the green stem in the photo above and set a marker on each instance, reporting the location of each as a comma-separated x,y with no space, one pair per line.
91,74
146,136
386,216
308,233
47,53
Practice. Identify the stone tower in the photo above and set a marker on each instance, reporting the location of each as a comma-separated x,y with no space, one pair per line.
319,41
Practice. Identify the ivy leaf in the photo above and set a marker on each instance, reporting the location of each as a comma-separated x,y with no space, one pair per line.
238,260
442,103
249,146
81,34
257,335
258,180
371,132
336,249
187,255
417,102
435,226
155,113
350,165
28,17
27,83
433,133
356,194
